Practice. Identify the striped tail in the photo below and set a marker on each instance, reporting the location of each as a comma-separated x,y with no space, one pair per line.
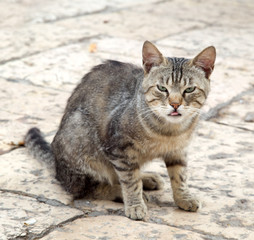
38,147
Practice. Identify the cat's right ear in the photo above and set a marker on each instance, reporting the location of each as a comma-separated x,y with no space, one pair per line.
151,56
205,60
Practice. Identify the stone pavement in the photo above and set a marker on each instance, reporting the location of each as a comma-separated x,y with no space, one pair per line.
47,46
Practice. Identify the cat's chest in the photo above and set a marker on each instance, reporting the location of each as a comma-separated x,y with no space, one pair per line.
157,147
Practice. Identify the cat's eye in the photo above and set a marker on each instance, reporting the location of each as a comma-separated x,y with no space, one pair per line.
189,90
161,88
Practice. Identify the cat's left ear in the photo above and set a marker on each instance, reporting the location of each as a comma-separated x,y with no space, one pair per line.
151,56
205,60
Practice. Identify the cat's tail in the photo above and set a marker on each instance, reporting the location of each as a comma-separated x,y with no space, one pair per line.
38,147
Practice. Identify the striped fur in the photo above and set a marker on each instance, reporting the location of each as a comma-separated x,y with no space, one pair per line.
120,117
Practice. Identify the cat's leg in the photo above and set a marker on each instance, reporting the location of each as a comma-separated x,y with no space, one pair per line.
152,181
176,166
132,189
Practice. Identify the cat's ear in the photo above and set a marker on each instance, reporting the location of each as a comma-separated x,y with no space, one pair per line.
151,56
205,60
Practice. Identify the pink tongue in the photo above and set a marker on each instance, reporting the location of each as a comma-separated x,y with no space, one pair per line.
174,114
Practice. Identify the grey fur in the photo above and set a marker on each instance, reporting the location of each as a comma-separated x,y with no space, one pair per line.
116,120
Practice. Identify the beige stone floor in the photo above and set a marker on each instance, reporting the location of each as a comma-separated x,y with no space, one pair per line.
44,48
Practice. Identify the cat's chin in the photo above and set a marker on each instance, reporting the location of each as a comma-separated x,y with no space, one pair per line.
175,118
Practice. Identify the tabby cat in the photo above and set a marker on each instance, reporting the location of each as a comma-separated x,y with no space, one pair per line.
121,116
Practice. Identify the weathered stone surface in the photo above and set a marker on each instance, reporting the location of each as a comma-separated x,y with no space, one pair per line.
225,83
45,52
20,172
24,105
67,65
25,217
60,67
114,227
239,113
249,117
225,44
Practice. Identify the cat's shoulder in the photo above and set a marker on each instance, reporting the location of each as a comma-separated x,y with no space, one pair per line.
116,65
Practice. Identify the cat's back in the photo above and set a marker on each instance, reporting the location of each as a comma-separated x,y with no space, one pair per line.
103,89
112,81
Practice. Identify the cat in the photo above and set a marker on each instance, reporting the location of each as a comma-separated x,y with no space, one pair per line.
120,117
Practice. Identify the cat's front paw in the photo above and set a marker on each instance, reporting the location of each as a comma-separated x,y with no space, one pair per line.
188,203
136,212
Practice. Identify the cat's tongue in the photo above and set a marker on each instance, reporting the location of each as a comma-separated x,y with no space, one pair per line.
174,114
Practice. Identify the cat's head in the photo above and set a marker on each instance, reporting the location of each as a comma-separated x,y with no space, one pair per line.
176,88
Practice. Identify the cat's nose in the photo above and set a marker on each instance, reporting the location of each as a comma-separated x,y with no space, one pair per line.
175,105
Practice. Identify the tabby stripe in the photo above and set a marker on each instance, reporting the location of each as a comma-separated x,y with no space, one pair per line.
148,89
181,74
173,70
172,76
201,90
155,99
176,72
114,156
181,70
196,101
129,184
167,80
132,165
124,182
184,80
124,169
175,163
135,189
120,169
133,184
181,178
126,145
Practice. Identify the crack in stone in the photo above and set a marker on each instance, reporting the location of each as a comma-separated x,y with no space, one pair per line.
105,9
214,112
73,42
42,199
193,28
234,126
205,235
28,82
89,213
31,236
53,227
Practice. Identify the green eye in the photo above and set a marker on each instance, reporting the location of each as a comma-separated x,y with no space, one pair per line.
161,88
190,89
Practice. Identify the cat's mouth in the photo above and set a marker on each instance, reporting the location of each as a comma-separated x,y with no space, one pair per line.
175,113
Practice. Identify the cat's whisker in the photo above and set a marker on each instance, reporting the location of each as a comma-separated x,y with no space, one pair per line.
144,111
193,111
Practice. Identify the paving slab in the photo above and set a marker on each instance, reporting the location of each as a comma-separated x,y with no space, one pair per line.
116,227
20,172
58,68
231,77
239,113
25,217
229,41
46,47
24,106
39,34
